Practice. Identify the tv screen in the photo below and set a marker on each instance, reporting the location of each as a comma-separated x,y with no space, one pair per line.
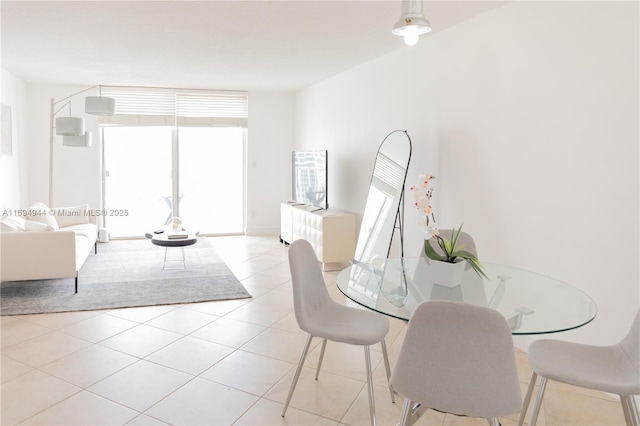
310,178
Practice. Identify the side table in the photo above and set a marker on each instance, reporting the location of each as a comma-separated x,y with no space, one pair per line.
170,238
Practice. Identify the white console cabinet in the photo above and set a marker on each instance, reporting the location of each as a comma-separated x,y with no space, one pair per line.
332,233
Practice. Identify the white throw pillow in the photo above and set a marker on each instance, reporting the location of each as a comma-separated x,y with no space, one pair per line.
33,226
12,224
39,212
68,216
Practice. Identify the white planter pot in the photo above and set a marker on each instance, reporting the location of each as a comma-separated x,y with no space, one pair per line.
447,274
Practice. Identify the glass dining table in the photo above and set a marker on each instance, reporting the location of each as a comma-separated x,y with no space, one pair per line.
532,303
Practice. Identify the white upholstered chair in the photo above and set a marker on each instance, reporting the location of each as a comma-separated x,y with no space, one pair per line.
458,358
320,316
613,369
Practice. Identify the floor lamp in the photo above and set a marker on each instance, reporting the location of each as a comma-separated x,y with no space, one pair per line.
72,128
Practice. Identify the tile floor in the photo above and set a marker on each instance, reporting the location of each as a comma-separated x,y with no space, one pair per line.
217,363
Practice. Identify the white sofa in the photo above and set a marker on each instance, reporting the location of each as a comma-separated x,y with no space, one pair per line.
41,243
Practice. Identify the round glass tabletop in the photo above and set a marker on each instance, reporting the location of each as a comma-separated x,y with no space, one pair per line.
532,303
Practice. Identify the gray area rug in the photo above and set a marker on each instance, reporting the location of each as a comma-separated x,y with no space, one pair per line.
128,273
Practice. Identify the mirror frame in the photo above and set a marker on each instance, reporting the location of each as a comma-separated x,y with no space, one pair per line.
377,231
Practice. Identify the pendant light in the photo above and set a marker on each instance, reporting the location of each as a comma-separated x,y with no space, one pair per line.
69,126
412,23
83,141
99,105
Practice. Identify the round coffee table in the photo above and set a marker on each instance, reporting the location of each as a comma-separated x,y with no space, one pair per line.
168,239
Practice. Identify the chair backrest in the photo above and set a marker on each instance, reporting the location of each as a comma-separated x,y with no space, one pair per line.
310,295
464,239
459,358
631,343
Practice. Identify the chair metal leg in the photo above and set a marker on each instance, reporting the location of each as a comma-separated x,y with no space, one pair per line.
324,345
527,398
406,409
625,409
538,402
633,408
385,355
494,421
630,410
372,403
297,375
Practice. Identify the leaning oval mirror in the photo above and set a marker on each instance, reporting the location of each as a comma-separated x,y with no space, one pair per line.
381,211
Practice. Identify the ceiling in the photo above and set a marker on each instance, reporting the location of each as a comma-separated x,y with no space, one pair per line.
233,45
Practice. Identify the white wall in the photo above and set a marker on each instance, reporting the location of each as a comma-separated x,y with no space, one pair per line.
13,177
270,136
528,116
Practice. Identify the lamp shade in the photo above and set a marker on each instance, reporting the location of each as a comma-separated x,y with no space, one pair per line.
411,25
69,126
80,140
99,105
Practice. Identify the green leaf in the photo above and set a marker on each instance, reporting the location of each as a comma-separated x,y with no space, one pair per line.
466,255
454,237
431,252
477,267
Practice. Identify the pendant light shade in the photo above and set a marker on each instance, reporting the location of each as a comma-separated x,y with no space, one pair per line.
412,23
80,140
69,126
99,105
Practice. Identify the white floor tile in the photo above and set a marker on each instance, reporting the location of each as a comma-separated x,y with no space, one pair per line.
89,365
260,314
83,409
266,412
12,369
141,340
229,332
190,355
31,393
248,372
140,385
45,349
97,328
279,344
17,331
202,402
183,321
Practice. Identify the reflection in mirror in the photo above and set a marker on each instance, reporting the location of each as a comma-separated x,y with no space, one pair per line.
382,210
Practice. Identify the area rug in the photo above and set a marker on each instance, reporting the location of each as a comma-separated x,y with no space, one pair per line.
128,273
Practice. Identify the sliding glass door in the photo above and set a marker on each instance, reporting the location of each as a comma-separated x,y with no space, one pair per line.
211,178
152,173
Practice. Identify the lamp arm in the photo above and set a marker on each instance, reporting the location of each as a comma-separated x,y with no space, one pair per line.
60,109
77,93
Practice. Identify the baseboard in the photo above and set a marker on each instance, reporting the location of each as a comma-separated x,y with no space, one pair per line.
253,232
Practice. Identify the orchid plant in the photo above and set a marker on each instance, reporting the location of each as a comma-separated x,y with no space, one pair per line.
451,251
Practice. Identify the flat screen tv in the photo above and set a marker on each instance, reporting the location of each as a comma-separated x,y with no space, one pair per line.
309,178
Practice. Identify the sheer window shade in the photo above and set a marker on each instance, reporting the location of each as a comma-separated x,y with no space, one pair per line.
169,107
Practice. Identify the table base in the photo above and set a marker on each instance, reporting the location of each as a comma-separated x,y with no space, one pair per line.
183,261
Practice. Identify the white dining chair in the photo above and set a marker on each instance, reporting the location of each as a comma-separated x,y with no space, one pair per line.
614,369
458,358
320,316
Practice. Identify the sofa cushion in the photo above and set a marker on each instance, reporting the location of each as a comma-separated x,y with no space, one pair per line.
39,212
67,216
33,226
87,230
12,224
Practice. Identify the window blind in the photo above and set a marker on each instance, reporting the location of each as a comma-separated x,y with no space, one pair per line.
147,106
